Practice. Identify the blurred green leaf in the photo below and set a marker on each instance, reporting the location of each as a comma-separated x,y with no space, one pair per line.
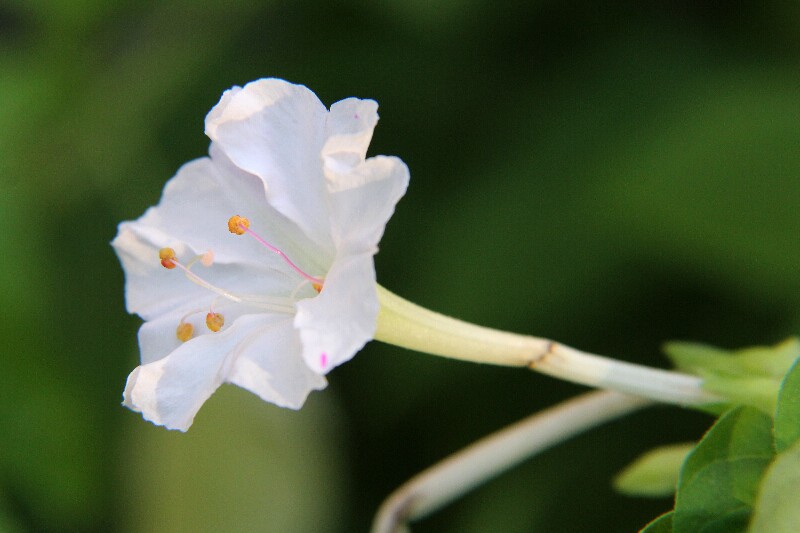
787,414
777,508
761,393
655,473
766,361
749,376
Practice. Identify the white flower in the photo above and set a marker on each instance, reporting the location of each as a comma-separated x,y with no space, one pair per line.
271,317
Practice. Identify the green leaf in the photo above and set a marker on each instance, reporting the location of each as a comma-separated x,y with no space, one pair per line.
662,524
787,413
655,473
757,361
778,504
741,432
750,376
717,486
694,357
758,392
730,522
720,493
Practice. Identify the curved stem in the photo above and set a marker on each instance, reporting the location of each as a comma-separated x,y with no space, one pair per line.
461,472
405,324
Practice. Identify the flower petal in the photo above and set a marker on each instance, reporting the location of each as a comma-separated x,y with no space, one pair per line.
152,291
348,131
269,364
171,390
157,338
342,318
198,201
275,130
359,215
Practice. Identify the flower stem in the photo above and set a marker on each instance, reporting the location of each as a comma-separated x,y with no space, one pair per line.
408,325
461,472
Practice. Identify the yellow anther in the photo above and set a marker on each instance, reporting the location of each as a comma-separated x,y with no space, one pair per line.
238,225
167,256
317,286
184,331
214,321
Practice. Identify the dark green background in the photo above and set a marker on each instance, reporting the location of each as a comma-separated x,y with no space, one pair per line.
608,177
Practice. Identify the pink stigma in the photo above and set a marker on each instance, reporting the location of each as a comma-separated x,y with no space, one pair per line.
323,360
271,248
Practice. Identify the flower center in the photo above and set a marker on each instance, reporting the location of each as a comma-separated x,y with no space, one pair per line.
215,320
239,225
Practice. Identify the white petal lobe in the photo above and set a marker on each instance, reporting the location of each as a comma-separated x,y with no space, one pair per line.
275,130
359,215
337,323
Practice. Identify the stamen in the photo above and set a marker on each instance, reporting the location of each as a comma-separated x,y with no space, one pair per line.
240,225
167,256
184,331
270,303
214,321
169,260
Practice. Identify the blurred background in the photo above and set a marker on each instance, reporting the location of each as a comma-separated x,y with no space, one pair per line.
609,177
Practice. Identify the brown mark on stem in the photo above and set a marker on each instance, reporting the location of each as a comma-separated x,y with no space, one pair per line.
540,358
